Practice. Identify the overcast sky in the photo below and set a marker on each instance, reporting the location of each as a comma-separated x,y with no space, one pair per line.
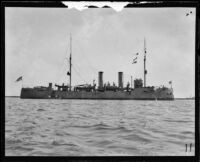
37,45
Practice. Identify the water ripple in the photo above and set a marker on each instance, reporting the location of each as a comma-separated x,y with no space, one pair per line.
94,127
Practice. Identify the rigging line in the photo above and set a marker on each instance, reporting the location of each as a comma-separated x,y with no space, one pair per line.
76,67
60,73
87,60
76,70
62,69
78,74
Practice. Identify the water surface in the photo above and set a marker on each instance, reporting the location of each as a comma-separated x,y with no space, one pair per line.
51,127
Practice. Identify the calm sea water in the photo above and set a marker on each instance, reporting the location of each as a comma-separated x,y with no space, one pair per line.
98,127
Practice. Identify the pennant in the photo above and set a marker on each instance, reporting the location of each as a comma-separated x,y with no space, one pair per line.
20,78
136,54
135,59
134,62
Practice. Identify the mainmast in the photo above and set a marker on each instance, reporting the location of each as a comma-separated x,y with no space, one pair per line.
70,64
145,71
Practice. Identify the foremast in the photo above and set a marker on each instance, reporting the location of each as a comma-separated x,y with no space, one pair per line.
70,64
145,71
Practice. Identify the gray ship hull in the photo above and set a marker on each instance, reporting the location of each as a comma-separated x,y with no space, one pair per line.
143,93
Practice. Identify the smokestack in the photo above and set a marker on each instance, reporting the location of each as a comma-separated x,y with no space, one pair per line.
101,79
120,79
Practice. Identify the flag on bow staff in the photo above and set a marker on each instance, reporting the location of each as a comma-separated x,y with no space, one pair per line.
19,79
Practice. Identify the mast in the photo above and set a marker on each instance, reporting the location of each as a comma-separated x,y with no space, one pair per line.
70,64
131,81
145,71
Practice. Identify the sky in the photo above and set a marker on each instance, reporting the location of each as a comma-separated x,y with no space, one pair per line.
37,46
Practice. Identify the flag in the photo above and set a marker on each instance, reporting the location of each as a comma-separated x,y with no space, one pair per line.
136,54
135,59
68,73
20,78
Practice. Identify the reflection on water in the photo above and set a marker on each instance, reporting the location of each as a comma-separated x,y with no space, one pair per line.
98,127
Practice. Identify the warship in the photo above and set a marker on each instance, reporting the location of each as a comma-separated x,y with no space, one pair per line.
103,91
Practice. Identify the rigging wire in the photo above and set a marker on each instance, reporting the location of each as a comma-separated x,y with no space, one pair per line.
92,68
61,74
75,69
79,74
62,70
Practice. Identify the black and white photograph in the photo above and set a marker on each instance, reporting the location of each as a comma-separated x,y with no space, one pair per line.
105,81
